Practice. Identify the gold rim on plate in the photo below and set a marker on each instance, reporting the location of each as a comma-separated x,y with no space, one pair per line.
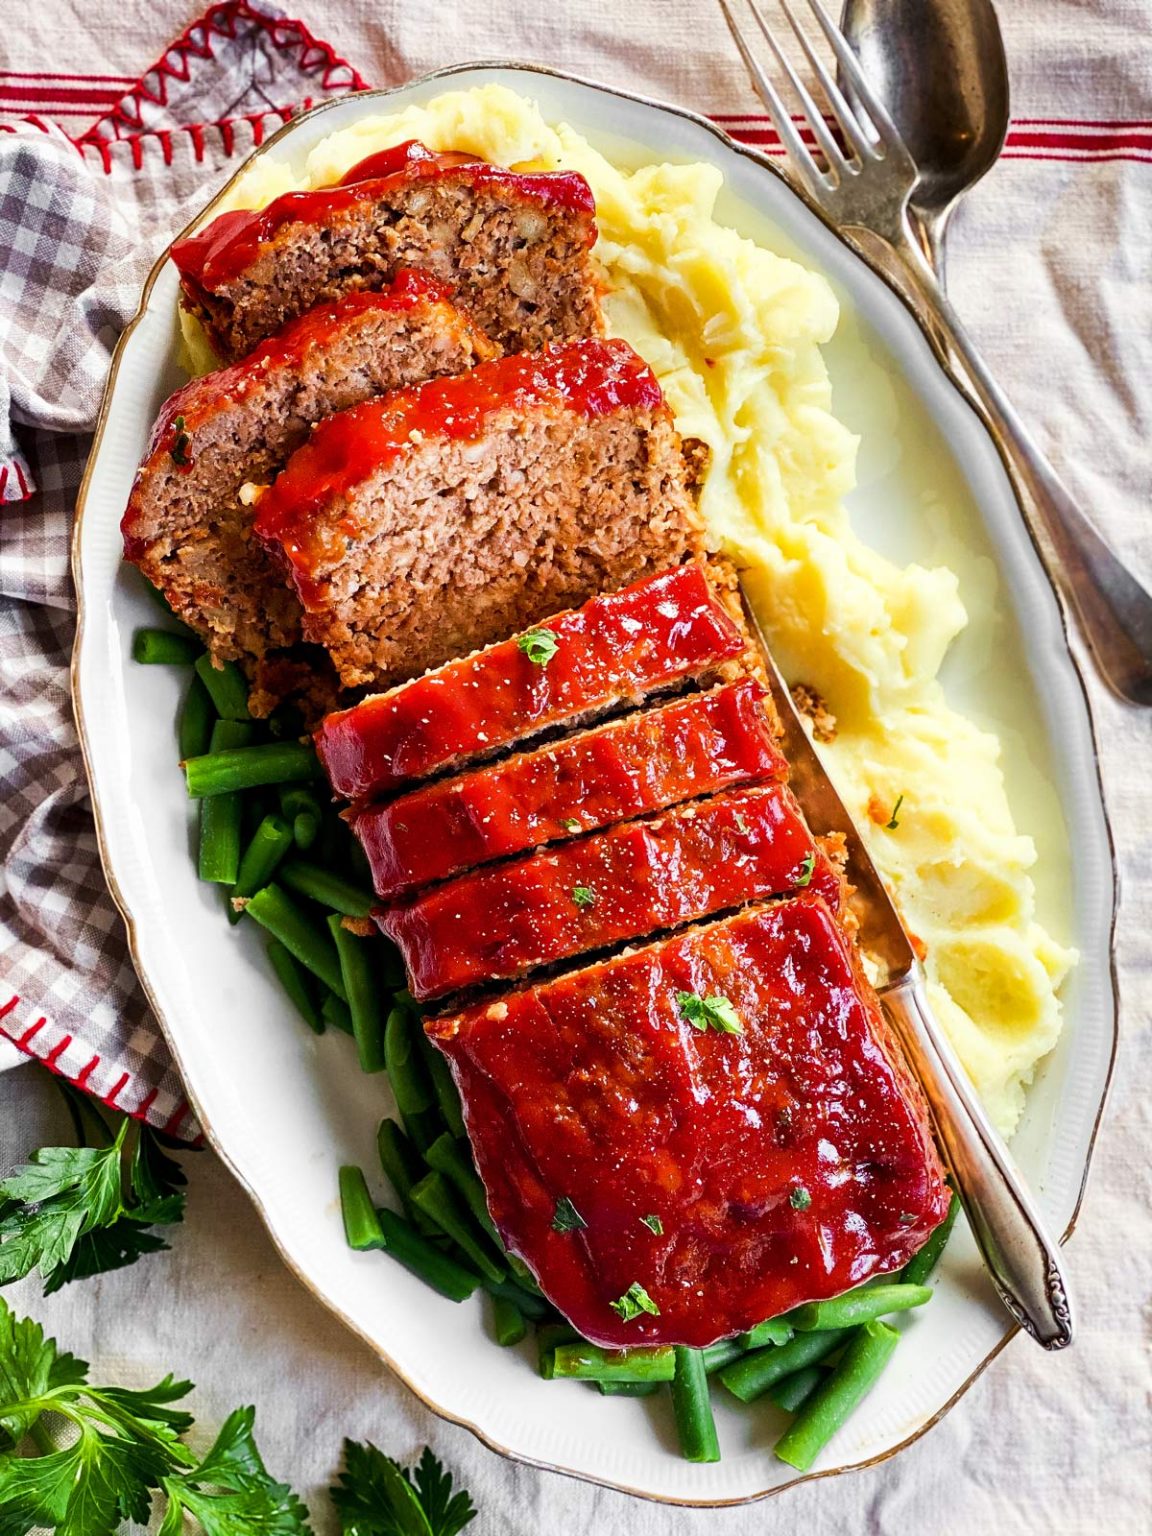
748,153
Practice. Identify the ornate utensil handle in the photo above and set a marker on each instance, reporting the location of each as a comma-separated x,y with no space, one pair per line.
1022,1259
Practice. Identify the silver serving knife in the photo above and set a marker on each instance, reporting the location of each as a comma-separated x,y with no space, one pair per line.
1022,1258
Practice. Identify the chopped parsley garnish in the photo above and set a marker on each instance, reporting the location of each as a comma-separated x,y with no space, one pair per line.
583,895
654,1224
714,1012
181,443
807,869
567,1217
634,1301
539,645
892,823
571,824
799,1199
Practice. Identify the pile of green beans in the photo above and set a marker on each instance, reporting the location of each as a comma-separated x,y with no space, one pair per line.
289,864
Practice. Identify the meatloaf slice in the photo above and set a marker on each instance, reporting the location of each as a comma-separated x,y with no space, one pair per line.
441,518
187,526
617,649
517,249
632,766
635,879
725,1111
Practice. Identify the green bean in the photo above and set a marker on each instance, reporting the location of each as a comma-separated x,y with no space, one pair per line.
717,1356
273,762
522,1274
508,1321
402,1164
628,1388
433,1195
692,1406
221,818
165,648
268,845
856,1307
297,800
750,1377
328,889
582,1361
197,717
440,1271
442,1086
774,1331
391,965
361,1224
410,1086
921,1264
335,1011
294,980
451,1159
549,1338
363,995
305,830
227,686
310,944
834,1401
535,1308
792,1391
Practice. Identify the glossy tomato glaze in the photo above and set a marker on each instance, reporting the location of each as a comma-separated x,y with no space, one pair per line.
644,762
595,892
305,514
785,1163
220,252
616,648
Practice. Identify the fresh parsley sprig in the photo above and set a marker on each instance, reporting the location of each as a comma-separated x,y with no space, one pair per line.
375,1496
72,1212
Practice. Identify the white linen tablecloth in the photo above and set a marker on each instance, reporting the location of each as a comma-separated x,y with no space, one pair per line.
1049,262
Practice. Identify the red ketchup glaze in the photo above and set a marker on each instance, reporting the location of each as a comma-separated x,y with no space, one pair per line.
595,1088
224,249
612,888
591,377
642,763
615,648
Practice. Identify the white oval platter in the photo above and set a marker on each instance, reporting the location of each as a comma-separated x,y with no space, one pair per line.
284,1109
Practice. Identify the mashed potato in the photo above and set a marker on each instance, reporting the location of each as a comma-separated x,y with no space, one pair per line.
734,333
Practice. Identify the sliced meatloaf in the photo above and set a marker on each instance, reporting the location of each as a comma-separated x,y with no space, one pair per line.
617,649
517,249
188,526
726,1114
441,518
638,764
635,879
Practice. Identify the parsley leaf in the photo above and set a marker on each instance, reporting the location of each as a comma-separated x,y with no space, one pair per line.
654,1224
71,1212
539,645
230,1491
376,1497
567,1217
714,1012
634,1301
807,870
571,823
799,1199
892,823
30,1367
180,444
583,895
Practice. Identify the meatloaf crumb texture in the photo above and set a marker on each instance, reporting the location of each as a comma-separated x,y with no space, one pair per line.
640,763
516,251
435,520
186,525
616,650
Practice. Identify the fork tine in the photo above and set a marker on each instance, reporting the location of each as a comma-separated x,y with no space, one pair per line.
826,141
798,153
886,130
850,125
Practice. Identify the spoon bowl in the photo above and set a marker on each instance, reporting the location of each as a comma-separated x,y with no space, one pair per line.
939,67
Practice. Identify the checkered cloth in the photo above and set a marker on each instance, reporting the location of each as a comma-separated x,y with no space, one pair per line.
81,222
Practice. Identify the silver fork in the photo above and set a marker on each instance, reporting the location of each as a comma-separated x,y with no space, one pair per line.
867,189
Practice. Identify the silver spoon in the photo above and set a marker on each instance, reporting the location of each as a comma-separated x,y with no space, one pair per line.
939,67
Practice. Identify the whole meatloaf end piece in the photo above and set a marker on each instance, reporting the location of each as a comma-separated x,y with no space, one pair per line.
594,893
441,518
775,1139
515,247
641,763
616,650
189,528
